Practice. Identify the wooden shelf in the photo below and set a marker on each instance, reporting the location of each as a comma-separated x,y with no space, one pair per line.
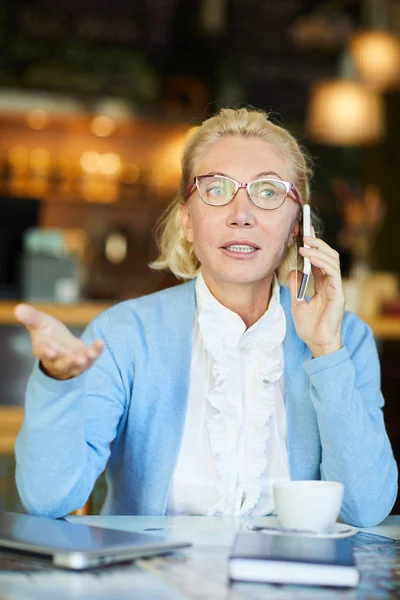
386,327
79,315
73,315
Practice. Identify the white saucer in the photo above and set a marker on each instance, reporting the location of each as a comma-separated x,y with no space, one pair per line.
338,530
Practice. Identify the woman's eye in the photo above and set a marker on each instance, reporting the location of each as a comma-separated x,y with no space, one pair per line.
216,190
268,193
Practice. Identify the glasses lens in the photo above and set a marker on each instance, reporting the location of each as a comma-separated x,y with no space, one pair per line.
216,190
268,193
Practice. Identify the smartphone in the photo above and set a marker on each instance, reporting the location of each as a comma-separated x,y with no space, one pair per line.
307,265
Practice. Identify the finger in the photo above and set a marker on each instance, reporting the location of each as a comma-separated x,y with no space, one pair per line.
46,352
41,342
61,369
46,347
45,344
81,353
333,258
94,350
93,353
97,347
69,363
313,242
76,346
320,271
66,362
319,275
30,317
330,270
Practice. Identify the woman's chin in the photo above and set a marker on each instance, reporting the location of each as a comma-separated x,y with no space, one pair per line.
243,276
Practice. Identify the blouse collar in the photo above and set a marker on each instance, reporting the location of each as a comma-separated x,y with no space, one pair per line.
222,328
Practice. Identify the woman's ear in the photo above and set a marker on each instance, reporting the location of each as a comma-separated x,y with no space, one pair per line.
186,222
294,233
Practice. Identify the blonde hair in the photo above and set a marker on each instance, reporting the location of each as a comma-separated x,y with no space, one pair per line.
176,253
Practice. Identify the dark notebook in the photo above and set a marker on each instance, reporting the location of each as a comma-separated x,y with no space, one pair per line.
293,559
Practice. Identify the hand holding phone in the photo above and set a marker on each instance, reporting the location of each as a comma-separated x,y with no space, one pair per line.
307,265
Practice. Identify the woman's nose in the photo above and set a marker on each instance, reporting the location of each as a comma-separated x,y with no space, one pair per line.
241,210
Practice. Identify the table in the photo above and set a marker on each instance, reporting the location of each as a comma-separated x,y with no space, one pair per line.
199,572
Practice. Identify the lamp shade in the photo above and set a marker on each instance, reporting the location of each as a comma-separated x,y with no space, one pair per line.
345,113
376,57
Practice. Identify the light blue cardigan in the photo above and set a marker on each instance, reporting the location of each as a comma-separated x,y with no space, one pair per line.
128,411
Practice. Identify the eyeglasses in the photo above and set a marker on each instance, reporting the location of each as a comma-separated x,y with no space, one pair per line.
219,190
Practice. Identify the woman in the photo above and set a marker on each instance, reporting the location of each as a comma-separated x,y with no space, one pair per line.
199,397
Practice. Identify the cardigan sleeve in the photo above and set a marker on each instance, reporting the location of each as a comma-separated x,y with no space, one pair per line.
68,426
346,393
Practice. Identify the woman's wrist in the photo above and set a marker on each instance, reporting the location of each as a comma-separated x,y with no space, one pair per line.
318,351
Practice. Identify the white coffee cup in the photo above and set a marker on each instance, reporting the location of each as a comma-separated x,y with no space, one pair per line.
312,505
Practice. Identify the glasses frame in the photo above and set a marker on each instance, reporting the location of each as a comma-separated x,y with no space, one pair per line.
238,185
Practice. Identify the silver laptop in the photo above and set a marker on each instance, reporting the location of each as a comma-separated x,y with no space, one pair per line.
76,546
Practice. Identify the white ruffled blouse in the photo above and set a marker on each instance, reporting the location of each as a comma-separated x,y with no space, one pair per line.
234,442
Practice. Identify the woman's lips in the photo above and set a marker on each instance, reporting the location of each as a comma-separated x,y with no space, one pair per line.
240,251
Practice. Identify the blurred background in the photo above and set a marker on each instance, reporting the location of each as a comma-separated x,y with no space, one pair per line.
97,99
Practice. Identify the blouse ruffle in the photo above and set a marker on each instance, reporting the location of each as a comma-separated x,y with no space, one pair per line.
222,338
